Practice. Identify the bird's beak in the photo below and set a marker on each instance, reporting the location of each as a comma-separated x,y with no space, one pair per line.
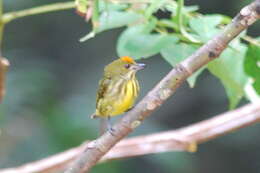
139,66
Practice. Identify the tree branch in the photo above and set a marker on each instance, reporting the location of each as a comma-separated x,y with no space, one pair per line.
8,17
165,88
184,139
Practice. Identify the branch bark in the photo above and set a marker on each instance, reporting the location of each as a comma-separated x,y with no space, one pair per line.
165,88
184,139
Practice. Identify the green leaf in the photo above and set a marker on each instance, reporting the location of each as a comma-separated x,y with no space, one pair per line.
251,93
110,6
138,42
193,78
171,6
95,15
154,6
81,6
191,8
252,65
116,19
113,19
181,24
229,69
206,26
175,53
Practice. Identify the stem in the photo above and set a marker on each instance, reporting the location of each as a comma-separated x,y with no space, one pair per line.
1,7
251,40
181,28
4,63
1,25
178,14
95,16
8,17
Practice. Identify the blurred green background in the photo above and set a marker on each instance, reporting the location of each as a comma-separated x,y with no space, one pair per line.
51,86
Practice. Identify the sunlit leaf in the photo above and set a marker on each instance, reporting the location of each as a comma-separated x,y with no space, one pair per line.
175,53
153,7
206,26
252,65
116,19
229,69
191,8
113,19
138,42
81,6
110,6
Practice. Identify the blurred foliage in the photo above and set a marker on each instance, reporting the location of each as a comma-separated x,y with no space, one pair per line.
52,81
252,65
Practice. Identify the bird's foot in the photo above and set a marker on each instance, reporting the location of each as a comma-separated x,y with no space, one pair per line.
112,131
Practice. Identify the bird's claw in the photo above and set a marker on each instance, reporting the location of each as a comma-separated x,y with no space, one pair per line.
112,131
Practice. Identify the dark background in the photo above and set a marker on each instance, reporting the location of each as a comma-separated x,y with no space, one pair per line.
51,86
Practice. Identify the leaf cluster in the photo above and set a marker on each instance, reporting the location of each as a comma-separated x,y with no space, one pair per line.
175,31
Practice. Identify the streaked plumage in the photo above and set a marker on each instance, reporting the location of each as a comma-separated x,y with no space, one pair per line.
118,89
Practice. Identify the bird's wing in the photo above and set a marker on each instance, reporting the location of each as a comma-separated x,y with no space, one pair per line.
103,86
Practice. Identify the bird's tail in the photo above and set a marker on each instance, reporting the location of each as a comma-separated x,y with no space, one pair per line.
93,116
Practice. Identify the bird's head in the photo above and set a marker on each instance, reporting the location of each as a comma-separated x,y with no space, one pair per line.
124,66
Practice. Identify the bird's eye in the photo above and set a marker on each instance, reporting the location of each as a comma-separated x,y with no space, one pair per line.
127,66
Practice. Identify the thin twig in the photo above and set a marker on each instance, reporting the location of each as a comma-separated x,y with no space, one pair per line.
4,63
1,7
1,26
184,139
164,89
251,40
8,17
181,28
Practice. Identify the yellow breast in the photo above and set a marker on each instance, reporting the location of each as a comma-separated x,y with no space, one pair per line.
126,101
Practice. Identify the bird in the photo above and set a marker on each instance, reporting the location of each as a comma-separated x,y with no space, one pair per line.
118,90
